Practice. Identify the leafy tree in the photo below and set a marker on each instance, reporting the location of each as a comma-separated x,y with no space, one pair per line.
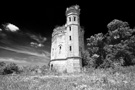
116,46
85,57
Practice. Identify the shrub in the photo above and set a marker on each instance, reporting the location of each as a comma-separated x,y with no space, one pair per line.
27,70
11,68
2,67
44,69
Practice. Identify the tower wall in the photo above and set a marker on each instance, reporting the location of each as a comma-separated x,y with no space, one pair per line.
73,65
73,28
76,40
67,44
59,65
58,46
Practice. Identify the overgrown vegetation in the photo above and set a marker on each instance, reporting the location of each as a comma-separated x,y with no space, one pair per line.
115,48
12,68
92,79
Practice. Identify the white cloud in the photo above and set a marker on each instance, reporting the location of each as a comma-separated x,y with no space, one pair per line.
38,38
11,27
0,29
33,44
40,45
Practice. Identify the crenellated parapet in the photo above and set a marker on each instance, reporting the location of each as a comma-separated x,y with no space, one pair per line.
73,9
60,30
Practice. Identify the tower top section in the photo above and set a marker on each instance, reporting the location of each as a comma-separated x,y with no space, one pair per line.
73,10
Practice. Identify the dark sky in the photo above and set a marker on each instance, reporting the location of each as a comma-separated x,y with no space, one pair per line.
42,17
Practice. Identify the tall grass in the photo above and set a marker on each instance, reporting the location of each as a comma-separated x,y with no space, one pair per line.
118,78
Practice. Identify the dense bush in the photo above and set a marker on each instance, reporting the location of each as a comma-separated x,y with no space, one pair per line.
115,48
34,70
12,68
9,68
2,67
44,69
30,70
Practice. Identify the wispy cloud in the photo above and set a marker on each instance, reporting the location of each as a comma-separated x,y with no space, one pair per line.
38,38
12,60
14,35
22,43
24,52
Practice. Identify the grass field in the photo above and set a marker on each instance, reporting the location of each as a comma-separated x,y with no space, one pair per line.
96,80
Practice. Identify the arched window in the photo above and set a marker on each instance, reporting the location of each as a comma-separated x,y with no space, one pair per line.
69,19
60,47
51,66
69,28
74,18
69,37
70,48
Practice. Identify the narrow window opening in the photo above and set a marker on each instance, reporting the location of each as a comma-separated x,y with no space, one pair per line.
70,48
70,19
74,18
69,37
70,28
51,66
60,47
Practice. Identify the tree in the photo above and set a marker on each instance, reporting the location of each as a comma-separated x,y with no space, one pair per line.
116,46
95,47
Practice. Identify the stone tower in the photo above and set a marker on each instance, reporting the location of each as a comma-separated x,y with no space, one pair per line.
68,43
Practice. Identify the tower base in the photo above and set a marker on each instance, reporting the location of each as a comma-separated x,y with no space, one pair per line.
66,66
